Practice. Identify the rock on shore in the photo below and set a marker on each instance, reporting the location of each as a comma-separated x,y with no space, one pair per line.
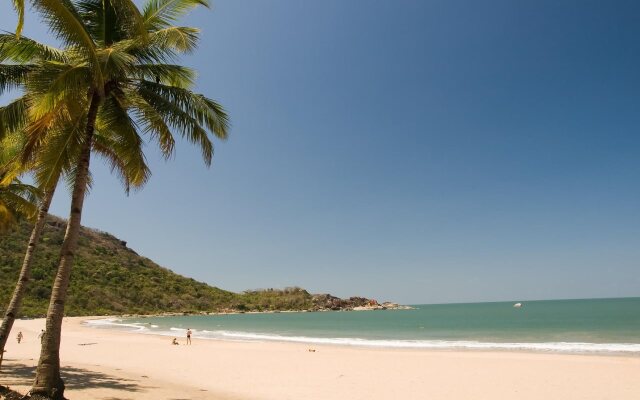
326,302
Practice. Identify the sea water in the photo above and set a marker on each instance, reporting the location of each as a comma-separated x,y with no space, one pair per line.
580,326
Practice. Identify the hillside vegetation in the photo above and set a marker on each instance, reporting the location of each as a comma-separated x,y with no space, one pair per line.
110,278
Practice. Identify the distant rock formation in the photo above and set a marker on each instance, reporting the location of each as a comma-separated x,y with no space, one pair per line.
326,302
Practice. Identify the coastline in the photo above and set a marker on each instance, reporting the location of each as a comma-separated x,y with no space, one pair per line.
110,364
135,326
394,307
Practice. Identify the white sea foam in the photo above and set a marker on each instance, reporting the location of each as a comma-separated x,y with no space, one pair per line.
115,323
556,347
571,347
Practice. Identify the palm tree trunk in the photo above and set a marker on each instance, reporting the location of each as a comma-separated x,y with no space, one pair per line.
25,273
48,383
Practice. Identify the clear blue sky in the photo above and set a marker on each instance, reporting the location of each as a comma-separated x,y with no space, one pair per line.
416,151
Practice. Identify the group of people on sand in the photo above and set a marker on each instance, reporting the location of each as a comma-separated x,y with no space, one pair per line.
189,333
20,336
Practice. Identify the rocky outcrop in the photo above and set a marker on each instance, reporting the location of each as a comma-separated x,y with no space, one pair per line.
395,306
326,302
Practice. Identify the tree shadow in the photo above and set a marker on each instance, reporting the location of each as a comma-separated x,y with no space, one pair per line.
15,374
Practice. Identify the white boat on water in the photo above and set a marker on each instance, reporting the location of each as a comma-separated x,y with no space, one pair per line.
517,305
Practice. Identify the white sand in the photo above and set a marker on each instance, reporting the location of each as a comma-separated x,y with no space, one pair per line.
119,365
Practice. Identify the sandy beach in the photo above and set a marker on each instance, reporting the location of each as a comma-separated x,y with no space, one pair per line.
109,365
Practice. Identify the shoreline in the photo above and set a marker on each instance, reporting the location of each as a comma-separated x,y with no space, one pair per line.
205,313
112,364
120,323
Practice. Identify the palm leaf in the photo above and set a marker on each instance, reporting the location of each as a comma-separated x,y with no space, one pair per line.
64,21
152,123
16,200
184,113
13,76
171,74
117,141
109,21
18,5
162,13
115,62
181,39
59,152
53,86
14,116
206,111
24,50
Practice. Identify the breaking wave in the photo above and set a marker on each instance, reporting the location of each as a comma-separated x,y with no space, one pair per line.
554,347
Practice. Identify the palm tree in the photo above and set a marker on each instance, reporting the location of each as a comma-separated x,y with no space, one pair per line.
24,55
16,300
13,308
130,173
117,76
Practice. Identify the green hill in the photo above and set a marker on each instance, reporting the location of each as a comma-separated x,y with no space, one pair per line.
110,278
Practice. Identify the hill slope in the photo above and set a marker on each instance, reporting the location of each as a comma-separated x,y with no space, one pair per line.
110,278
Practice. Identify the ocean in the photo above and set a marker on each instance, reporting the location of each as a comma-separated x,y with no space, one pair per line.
571,326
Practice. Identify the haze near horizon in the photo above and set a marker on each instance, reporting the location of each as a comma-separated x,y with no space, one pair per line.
413,151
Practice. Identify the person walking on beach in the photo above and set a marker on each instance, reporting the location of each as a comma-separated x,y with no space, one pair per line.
188,335
41,335
19,337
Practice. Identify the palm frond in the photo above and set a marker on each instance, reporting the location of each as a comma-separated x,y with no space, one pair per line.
24,50
159,14
18,5
54,85
170,74
130,18
183,113
14,116
206,111
16,200
152,123
59,152
22,192
112,20
44,126
181,39
118,142
10,151
214,117
70,179
13,76
66,24
115,62
163,45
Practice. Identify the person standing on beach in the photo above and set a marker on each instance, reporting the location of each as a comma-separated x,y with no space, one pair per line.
188,335
41,335
19,337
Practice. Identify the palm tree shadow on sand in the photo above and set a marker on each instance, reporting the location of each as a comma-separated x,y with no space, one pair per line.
15,374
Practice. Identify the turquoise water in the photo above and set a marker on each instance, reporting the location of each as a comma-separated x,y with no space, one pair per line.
592,325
